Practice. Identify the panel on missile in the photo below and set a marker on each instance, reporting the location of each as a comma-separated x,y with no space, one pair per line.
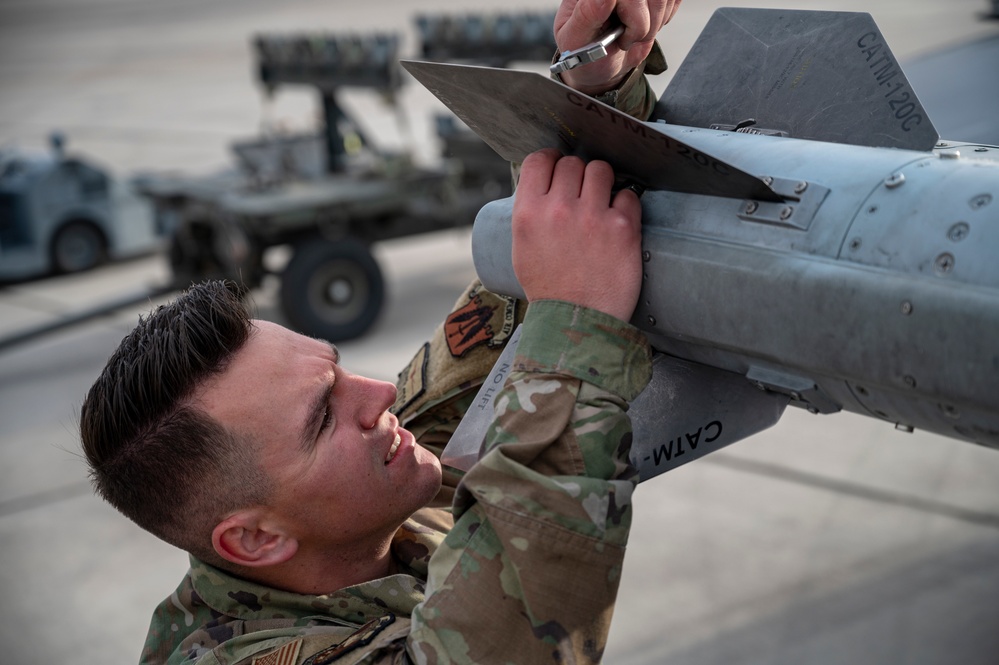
825,76
517,113
690,410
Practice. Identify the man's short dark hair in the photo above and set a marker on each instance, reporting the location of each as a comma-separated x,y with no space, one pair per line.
153,454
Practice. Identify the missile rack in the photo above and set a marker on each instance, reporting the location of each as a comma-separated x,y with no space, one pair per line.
331,194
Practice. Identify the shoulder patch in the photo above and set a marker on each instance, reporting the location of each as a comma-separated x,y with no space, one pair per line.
412,380
285,655
479,322
362,637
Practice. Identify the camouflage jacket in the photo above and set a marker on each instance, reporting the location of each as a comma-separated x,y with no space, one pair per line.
516,562
529,571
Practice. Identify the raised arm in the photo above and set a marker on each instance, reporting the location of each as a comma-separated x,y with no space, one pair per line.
531,567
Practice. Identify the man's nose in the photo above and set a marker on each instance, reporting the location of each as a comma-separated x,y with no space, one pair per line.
374,398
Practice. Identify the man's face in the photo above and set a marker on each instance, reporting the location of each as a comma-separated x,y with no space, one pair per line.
343,469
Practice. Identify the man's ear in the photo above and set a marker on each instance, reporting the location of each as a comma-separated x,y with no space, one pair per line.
247,538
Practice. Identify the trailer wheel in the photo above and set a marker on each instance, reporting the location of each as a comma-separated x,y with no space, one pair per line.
332,289
77,246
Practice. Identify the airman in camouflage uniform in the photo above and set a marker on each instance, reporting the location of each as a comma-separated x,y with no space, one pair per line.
517,561
548,506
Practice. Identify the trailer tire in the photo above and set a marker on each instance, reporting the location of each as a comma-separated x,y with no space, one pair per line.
332,289
77,246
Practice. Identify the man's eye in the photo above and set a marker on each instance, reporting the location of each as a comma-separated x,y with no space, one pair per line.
327,420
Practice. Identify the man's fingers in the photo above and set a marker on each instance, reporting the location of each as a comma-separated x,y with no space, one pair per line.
644,21
584,23
628,203
536,172
671,10
599,180
638,19
567,179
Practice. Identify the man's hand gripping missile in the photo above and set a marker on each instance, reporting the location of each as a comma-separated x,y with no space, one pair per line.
573,239
579,23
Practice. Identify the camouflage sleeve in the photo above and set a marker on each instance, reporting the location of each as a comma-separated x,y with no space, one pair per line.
634,95
438,385
530,571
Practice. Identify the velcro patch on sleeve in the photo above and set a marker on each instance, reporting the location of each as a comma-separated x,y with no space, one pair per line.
285,655
364,635
412,380
480,321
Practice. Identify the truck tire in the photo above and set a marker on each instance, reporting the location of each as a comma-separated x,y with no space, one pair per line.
77,246
332,289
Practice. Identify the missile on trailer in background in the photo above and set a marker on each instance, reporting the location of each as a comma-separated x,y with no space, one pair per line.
807,238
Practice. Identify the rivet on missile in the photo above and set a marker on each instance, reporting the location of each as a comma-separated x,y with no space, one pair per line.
909,381
751,207
872,210
895,180
862,391
786,213
958,232
800,187
646,256
945,263
855,244
981,149
767,180
906,308
980,201
950,411
652,320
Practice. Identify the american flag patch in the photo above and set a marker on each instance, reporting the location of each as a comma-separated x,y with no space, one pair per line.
286,655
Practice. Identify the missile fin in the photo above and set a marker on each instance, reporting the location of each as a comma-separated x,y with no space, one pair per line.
517,113
819,75
689,410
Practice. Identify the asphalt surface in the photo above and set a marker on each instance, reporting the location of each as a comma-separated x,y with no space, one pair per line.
826,539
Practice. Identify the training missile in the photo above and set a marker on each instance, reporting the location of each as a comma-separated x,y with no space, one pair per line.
807,238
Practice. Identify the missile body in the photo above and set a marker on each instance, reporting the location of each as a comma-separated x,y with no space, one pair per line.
808,240
882,298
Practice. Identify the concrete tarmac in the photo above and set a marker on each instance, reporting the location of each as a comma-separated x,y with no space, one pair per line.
825,540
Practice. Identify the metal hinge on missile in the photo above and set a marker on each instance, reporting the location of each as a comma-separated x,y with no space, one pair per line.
797,210
802,391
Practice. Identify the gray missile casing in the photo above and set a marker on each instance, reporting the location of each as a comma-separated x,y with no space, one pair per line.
881,299
805,242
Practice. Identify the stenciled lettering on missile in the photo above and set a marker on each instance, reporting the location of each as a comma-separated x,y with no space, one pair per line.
900,98
786,73
674,447
565,133
648,134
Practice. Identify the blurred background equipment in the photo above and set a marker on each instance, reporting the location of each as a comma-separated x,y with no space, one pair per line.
63,213
495,40
332,194
822,540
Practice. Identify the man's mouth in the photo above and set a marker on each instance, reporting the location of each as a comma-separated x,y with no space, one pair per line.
393,449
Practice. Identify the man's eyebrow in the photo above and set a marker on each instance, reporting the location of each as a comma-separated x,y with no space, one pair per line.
321,401
316,413
335,351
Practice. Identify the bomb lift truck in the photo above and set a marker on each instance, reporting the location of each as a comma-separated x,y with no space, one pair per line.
330,196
